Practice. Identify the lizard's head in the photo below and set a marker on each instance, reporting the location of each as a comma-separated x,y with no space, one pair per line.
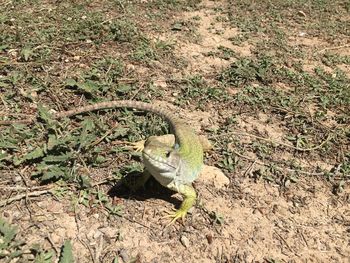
161,160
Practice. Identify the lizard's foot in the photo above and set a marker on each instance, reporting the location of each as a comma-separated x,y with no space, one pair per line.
137,146
175,215
189,199
167,139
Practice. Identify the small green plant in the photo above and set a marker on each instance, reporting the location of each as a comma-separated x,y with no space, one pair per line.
92,198
196,88
228,161
245,71
9,247
147,50
226,53
330,59
57,153
217,218
12,248
66,253
124,31
144,51
42,256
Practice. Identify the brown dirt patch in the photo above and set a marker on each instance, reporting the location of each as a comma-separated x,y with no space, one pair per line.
303,223
212,35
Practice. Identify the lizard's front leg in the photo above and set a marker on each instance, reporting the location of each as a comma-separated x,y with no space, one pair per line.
167,139
189,199
137,146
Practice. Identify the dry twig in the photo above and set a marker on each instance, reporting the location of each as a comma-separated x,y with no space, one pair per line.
277,167
28,194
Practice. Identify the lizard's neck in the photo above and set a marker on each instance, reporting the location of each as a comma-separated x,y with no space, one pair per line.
189,146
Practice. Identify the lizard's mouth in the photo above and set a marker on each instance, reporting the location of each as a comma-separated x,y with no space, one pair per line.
158,162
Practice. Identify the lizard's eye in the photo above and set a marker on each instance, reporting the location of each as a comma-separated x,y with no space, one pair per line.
167,154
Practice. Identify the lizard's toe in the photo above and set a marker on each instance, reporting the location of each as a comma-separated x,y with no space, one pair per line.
137,146
175,215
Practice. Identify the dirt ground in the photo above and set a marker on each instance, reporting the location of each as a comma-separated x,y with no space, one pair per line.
239,217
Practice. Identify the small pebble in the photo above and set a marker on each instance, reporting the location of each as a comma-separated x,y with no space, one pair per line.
209,238
185,242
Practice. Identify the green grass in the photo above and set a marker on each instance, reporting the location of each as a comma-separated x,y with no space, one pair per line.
12,247
73,36
273,79
328,18
259,82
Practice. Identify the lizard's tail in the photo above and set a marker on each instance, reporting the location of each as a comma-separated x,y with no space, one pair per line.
171,118
167,115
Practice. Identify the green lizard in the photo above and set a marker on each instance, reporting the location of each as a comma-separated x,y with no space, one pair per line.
173,166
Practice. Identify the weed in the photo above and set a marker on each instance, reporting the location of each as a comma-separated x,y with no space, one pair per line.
244,71
13,248
147,50
67,253
124,31
196,88
254,17
91,199
330,59
217,218
238,39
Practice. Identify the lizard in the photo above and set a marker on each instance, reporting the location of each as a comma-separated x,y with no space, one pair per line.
174,166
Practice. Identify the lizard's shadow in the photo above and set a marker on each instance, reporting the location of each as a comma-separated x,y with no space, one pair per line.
151,189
